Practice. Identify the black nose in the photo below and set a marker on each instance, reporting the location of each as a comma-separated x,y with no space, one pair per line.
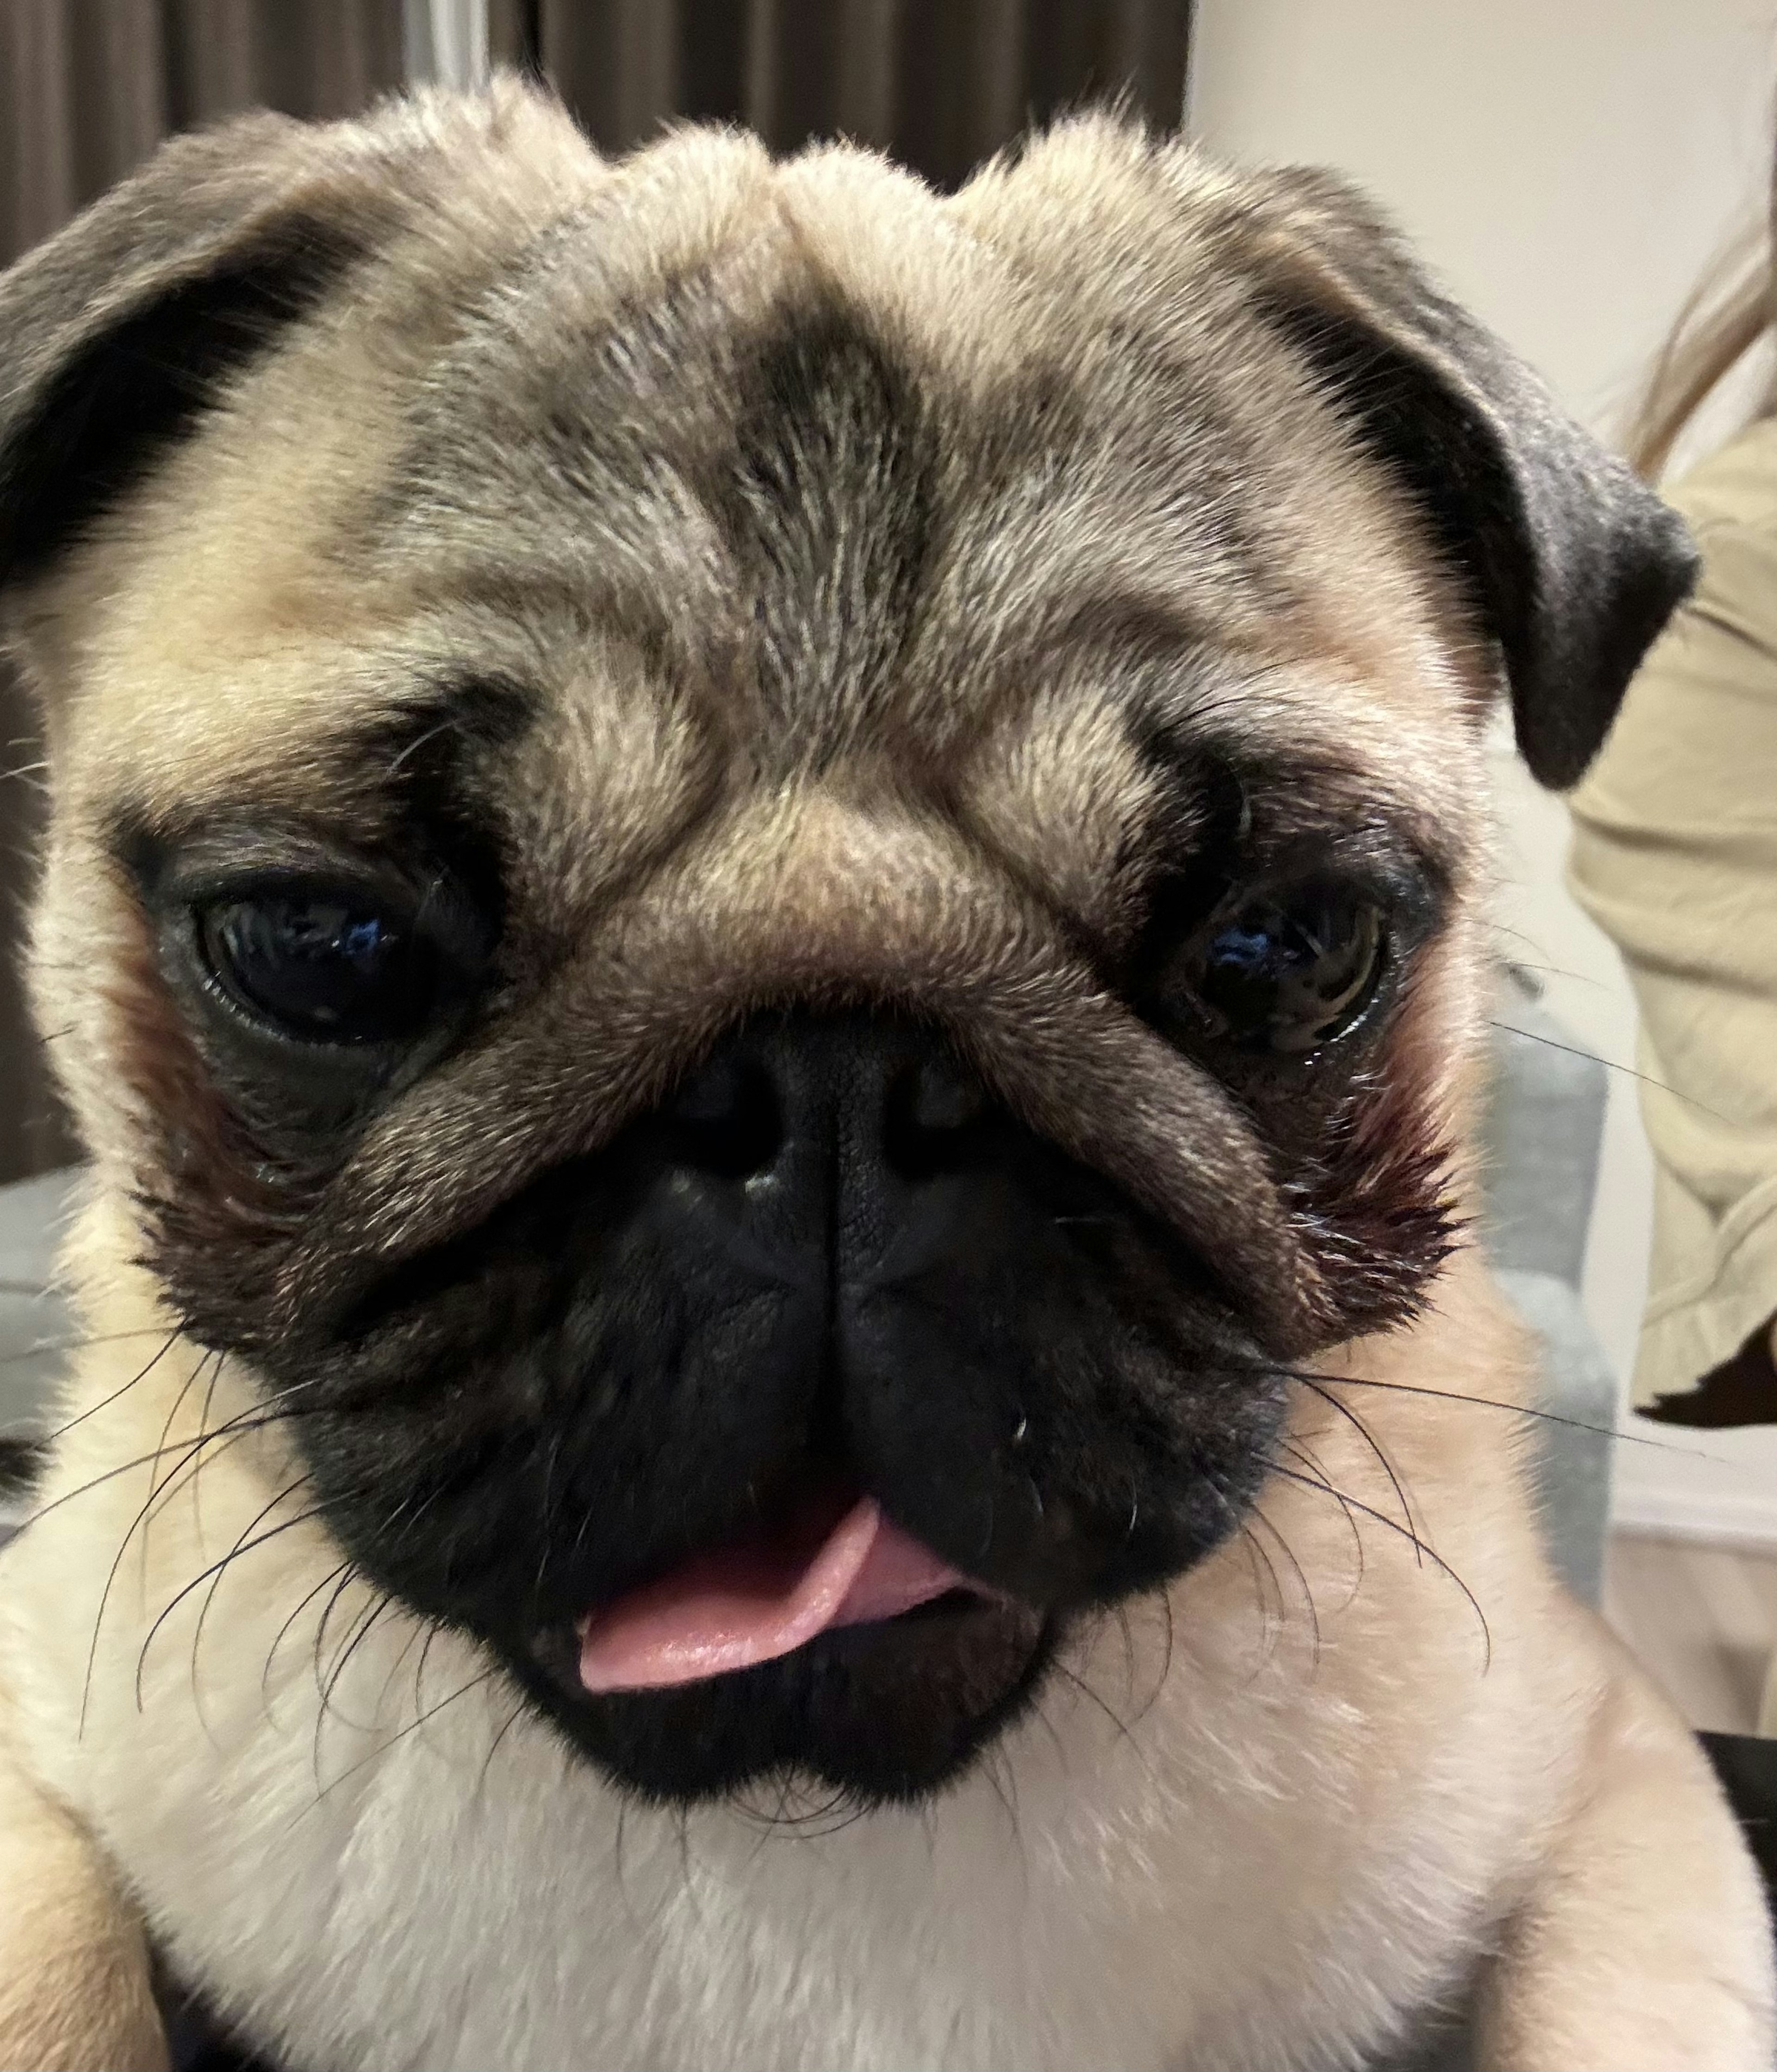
833,1126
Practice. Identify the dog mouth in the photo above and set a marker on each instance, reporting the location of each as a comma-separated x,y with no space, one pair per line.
833,1561
787,1438
821,1639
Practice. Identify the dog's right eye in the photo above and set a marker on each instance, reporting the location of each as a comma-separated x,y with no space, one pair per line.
1286,973
323,966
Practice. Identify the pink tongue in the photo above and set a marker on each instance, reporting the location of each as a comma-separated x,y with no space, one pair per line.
725,1610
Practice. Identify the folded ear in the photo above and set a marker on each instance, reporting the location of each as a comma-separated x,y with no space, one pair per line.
1567,561
115,333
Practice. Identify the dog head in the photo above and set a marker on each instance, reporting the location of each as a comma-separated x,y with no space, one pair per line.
765,884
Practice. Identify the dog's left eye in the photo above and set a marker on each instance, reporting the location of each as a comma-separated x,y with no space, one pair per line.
1285,973
322,966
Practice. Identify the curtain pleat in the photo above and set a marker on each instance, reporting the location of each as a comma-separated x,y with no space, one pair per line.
87,89
317,58
940,85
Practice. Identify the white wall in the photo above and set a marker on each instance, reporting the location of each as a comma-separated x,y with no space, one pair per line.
1567,166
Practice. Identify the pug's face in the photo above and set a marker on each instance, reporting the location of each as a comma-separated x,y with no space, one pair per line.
765,883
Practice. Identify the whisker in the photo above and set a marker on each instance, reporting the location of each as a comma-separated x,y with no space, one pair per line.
801,1820
1122,1613
123,1547
1166,1659
232,1432
167,1422
242,1424
1110,1713
1040,1712
487,1760
279,1637
216,1583
255,1418
1251,1546
1276,1585
1364,1433
1610,1065
1290,1556
413,1726
618,1869
80,1345
348,1576
203,1574
1394,1525
432,1631
445,725
203,1425
416,1626
185,1475
1495,1403
360,1630
1510,964
1004,1780
1254,1553
1556,971
1306,1455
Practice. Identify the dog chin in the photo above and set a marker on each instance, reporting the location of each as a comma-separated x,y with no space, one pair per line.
887,1713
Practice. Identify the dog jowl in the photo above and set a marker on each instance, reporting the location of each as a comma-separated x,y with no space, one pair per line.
780,945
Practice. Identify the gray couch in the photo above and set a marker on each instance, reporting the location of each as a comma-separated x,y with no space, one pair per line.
1545,1116
1544,1125
35,1325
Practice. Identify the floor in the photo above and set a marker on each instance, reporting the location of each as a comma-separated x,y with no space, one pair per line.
1703,1620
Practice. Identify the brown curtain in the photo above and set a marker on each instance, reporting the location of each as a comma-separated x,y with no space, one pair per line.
88,87
939,84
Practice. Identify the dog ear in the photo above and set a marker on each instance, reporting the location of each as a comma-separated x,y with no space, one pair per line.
1569,561
118,332
115,332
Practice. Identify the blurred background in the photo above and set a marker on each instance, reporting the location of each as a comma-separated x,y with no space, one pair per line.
1569,169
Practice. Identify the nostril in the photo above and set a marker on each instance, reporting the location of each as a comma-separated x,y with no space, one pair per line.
935,1109
941,1097
725,1118
713,1095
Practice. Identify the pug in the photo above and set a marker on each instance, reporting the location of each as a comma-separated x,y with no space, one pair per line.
765,910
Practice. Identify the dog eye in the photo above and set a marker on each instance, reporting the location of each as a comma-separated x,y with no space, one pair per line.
322,967
1284,972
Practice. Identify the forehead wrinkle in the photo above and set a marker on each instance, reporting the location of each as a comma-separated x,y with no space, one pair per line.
1052,797
646,525
591,386
1129,523
546,603
1071,557
1317,778
625,524
603,795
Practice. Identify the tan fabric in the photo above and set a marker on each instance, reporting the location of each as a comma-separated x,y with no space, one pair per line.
1674,857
